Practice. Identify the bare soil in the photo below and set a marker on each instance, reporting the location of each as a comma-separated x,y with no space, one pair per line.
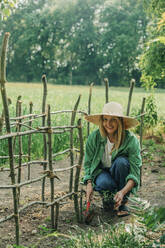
35,220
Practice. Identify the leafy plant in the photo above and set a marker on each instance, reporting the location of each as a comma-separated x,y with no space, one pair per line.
152,218
150,119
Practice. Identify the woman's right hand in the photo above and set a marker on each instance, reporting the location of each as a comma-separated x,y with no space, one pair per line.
89,191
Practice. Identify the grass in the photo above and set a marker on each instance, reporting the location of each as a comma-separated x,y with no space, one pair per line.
62,97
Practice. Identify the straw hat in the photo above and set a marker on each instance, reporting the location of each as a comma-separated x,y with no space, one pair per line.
113,109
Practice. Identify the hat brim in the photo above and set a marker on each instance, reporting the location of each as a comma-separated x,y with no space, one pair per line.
129,122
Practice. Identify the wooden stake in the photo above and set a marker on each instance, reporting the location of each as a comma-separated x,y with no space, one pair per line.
44,81
132,83
71,143
50,165
141,133
29,139
20,149
78,170
106,89
7,121
89,107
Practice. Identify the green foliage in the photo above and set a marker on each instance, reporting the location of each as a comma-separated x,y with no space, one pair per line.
6,7
19,246
75,42
154,7
107,237
153,59
153,218
151,117
43,230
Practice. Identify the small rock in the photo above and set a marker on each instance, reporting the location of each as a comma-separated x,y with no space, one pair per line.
34,231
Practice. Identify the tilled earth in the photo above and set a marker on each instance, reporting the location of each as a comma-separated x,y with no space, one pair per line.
35,221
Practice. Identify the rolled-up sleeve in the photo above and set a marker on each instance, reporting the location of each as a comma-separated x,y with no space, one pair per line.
89,155
135,160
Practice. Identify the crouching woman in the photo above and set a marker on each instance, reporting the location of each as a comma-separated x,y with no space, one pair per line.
112,158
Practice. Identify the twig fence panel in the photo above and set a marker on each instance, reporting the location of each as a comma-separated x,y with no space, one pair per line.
48,131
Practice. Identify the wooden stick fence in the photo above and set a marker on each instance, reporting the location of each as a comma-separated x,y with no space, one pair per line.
47,130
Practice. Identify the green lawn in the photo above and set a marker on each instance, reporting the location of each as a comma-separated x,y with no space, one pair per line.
62,97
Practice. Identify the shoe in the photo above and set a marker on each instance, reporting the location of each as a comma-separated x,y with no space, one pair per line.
123,211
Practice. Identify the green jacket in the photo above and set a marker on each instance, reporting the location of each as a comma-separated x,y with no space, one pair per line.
94,151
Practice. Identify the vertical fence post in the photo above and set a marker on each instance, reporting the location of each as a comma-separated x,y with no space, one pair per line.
57,215
50,165
106,90
44,81
141,132
2,118
7,121
78,170
17,113
71,143
89,107
29,140
20,149
132,83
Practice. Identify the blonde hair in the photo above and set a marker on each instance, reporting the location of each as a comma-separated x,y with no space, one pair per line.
119,134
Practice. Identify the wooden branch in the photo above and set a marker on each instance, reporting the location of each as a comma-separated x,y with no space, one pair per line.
22,209
20,149
15,156
7,121
44,81
35,116
22,184
106,89
10,135
41,115
57,215
78,170
65,169
57,127
89,107
25,164
39,130
50,167
132,84
68,111
141,133
30,140
71,142
2,118
60,199
17,124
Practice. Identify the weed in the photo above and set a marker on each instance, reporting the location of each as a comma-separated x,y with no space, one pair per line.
44,230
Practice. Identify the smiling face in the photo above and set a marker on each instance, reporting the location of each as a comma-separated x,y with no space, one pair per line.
110,124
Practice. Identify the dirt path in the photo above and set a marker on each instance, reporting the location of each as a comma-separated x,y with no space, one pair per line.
35,220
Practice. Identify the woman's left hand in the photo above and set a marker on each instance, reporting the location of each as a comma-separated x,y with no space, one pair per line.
118,199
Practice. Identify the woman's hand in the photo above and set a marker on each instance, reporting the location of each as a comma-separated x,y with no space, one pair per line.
89,191
118,199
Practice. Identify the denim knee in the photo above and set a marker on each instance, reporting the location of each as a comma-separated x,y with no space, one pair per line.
104,181
120,164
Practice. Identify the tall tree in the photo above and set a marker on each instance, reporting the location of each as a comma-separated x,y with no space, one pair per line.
122,32
75,41
153,59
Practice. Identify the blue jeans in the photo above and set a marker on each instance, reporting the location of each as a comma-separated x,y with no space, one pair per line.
113,178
